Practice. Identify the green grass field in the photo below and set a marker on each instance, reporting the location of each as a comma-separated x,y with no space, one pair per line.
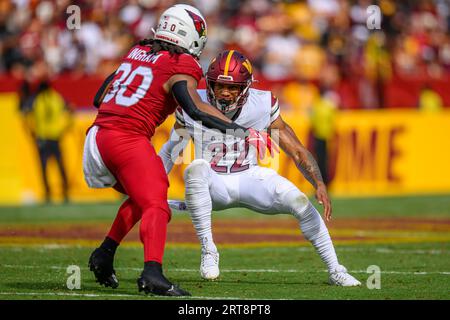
34,265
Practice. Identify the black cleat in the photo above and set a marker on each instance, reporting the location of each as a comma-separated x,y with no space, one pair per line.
153,281
101,264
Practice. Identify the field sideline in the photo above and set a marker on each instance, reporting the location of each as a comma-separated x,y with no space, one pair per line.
262,257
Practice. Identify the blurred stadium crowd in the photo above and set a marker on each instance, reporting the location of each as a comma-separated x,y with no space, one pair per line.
299,48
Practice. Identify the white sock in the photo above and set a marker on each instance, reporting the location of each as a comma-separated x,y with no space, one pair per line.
315,231
199,204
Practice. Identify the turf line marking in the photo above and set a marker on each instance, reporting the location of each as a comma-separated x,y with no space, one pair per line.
67,294
52,243
381,250
238,270
94,295
406,272
413,251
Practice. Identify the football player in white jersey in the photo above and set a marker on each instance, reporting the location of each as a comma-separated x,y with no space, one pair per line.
225,173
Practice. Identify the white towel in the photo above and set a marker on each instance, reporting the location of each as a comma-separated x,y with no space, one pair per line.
96,174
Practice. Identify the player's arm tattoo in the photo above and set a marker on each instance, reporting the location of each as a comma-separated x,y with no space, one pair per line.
303,159
309,168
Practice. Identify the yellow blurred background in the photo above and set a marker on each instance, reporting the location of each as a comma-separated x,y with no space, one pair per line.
374,153
376,99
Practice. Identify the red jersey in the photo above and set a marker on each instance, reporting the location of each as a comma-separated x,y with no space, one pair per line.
136,101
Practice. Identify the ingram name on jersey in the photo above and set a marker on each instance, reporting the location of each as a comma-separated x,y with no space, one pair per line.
136,101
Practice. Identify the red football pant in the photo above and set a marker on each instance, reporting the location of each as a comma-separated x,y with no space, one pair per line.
140,174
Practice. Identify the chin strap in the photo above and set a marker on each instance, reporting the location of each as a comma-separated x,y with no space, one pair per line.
218,105
225,108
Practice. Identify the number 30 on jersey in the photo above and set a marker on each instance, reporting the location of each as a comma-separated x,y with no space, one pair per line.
120,86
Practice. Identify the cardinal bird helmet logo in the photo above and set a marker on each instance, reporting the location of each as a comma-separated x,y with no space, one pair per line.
199,23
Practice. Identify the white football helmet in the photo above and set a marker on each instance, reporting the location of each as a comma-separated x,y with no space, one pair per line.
184,26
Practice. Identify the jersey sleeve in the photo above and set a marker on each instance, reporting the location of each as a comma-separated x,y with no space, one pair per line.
186,64
179,116
275,109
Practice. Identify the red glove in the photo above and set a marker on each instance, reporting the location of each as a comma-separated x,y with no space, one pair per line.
261,140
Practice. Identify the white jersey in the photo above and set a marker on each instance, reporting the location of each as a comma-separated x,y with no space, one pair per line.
226,153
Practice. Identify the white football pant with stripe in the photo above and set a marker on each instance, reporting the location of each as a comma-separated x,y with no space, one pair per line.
259,189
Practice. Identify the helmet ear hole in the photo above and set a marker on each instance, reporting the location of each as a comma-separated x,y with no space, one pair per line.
196,44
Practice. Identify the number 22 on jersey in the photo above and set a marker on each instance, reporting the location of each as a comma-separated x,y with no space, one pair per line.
220,151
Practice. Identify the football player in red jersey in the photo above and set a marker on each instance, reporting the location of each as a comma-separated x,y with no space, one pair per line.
154,77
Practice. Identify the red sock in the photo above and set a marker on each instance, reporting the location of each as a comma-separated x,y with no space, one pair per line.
127,216
153,232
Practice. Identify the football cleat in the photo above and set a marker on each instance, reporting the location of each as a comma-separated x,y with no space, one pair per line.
209,266
153,281
101,264
340,277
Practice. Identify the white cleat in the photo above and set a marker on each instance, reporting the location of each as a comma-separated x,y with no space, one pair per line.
340,277
209,266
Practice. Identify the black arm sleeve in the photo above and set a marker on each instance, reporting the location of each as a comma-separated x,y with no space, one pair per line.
98,95
181,94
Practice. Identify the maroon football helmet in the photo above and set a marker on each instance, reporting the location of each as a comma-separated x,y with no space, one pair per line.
229,67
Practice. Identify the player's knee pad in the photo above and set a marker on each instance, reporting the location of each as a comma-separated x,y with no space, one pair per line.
198,169
295,200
